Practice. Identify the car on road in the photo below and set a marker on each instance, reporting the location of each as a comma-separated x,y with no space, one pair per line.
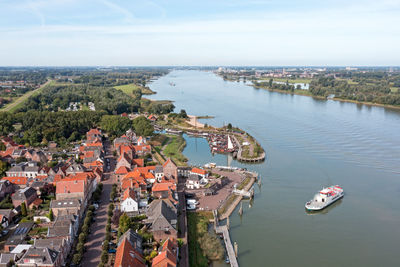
112,250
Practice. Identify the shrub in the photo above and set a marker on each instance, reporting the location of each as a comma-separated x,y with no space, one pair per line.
77,258
104,257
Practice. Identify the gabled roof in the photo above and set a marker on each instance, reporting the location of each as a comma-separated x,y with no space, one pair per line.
94,131
24,194
129,193
199,171
122,170
138,162
168,161
161,214
42,255
17,180
165,258
159,187
127,255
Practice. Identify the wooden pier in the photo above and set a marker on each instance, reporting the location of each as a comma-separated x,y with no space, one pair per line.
227,239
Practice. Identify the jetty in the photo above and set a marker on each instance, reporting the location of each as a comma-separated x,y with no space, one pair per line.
223,229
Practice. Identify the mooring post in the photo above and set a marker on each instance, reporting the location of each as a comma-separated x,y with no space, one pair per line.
235,245
227,222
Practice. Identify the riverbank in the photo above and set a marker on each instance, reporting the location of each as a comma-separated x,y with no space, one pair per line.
307,93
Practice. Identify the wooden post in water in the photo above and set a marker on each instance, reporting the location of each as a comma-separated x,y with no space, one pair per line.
241,209
235,245
227,222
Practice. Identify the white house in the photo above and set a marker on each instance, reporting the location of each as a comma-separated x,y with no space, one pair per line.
193,182
203,174
129,202
159,172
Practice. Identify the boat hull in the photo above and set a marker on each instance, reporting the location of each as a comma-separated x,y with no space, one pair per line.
308,208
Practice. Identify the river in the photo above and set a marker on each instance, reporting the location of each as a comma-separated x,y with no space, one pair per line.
309,143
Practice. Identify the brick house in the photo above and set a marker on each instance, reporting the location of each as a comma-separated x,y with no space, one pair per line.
27,195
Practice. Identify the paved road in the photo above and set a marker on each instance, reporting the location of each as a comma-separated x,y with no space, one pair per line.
93,245
182,222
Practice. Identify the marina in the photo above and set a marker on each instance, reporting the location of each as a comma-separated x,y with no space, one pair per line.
343,146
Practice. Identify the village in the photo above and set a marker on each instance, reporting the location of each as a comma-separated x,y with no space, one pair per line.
112,203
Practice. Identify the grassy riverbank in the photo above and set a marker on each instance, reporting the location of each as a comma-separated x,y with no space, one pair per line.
203,246
173,149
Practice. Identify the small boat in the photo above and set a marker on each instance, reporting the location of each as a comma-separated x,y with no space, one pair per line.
324,198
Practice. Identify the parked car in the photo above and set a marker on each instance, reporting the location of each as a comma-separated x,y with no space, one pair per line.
113,231
112,250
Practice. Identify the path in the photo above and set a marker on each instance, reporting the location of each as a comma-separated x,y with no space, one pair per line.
227,239
24,97
194,122
98,229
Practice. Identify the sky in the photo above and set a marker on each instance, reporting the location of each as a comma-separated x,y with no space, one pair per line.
199,32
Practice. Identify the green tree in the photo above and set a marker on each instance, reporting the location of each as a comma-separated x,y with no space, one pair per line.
24,210
2,146
142,126
114,124
3,167
51,216
124,224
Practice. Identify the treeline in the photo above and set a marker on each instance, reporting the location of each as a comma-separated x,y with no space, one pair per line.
58,97
39,127
375,91
278,86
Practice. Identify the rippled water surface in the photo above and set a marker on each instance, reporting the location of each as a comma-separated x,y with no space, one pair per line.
310,143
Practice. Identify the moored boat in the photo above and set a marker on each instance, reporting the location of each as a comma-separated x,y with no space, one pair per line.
324,198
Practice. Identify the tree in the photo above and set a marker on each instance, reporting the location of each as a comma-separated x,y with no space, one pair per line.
77,258
114,124
51,216
183,114
229,126
24,211
124,224
3,167
142,126
2,146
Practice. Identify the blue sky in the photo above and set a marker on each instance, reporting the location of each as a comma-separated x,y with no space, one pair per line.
201,32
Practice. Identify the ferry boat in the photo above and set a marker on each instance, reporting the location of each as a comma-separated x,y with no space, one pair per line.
325,197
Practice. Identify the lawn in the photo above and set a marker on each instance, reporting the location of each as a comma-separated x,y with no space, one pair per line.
174,148
129,88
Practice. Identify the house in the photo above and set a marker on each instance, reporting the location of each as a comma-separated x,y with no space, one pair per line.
40,256
168,255
159,172
26,195
129,251
6,188
6,216
142,150
193,182
58,244
25,169
170,170
5,258
18,236
67,205
163,190
75,168
129,201
72,189
200,172
20,181
162,219
141,141
124,161
93,134
37,156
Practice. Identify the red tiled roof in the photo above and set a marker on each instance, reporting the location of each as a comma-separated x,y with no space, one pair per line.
75,186
127,256
199,171
122,170
138,162
164,258
93,132
168,161
158,187
129,192
20,180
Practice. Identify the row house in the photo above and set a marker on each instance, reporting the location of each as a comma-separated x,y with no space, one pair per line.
24,169
162,219
129,250
26,195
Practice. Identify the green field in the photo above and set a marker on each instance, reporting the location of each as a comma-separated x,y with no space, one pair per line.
129,88
17,103
292,80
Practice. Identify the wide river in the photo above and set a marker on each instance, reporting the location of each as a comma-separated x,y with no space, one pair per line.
310,143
